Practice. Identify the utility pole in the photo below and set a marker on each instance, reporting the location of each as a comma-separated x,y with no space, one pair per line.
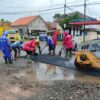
84,20
64,13
65,7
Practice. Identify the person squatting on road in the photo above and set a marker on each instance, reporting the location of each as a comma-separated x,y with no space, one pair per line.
16,47
50,44
30,48
68,43
5,47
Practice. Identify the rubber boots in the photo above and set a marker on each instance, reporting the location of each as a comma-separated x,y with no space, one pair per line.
28,59
5,59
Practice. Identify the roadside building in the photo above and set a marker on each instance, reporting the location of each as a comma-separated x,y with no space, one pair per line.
92,30
30,25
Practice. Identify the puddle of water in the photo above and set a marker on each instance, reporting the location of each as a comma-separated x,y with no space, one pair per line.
41,71
46,72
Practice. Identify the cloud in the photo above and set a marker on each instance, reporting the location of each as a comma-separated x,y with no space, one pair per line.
33,5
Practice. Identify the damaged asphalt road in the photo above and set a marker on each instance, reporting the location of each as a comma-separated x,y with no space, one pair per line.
67,62
37,81
40,81
54,60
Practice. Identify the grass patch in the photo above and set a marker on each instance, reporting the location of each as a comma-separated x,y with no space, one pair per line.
59,43
1,54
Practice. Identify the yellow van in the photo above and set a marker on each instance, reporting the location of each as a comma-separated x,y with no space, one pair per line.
13,35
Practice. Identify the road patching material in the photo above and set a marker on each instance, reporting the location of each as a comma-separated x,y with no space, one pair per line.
54,60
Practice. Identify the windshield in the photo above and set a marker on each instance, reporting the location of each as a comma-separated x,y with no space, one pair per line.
11,32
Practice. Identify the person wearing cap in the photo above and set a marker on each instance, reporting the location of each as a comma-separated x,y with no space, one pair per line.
30,48
5,47
16,47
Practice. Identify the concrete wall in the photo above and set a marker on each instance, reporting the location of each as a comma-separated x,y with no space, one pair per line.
89,36
37,25
17,28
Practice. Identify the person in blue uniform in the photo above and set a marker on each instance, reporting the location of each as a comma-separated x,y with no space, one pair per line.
5,47
50,44
16,47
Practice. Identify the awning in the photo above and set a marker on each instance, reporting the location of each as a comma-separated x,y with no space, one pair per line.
85,23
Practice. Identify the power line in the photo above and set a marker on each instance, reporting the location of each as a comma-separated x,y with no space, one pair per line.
45,10
91,3
69,8
32,7
30,11
91,12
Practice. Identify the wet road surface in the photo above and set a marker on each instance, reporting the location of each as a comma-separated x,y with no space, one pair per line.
46,72
40,81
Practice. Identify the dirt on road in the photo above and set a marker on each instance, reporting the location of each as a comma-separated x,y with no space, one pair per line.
37,81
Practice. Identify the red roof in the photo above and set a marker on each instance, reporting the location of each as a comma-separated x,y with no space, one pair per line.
24,21
51,25
85,23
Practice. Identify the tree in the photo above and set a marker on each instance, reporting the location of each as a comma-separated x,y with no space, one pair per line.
68,19
2,20
56,16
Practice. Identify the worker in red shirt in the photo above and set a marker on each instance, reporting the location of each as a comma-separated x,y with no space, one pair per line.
68,43
30,48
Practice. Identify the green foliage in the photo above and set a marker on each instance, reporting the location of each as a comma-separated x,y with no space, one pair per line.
2,20
69,19
56,16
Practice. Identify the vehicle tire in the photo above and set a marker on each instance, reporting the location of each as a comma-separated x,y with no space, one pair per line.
86,67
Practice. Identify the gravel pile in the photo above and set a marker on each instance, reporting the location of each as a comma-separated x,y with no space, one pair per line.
69,90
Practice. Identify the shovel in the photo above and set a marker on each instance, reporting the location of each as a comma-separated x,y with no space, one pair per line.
60,52
42,49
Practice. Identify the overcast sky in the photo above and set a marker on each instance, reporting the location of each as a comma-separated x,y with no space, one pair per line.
30,7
